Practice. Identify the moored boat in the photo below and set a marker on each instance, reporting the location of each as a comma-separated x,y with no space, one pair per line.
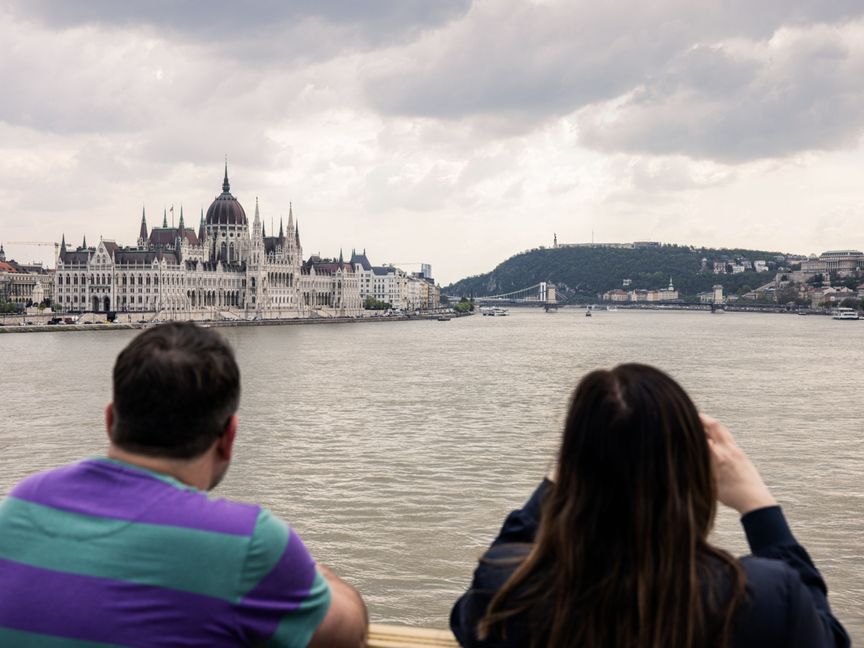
843,313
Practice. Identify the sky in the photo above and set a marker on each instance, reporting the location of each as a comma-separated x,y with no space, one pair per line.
453,132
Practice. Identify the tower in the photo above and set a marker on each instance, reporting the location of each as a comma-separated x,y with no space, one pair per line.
226,227
142,233
255,270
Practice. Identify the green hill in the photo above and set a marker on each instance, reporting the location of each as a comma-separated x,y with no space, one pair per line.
582,273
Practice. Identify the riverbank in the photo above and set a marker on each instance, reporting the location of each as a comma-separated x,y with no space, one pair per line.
706,308
116,326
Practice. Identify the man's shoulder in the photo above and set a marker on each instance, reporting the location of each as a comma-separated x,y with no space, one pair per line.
103,488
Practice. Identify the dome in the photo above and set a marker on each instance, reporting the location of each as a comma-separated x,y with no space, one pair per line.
225,210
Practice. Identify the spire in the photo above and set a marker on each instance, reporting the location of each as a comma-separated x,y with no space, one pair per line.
201,226
84,242
63,244
142,235
341,259
290,219
226,187
281,230
297,233
180,224
164,218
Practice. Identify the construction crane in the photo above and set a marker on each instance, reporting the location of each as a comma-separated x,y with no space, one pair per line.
48,243
53,244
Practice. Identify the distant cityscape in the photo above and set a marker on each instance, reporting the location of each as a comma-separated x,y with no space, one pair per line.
227,269
231,269
831,279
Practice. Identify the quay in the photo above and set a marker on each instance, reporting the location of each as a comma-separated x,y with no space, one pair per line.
222,323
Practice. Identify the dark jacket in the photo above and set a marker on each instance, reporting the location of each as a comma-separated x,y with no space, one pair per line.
787,604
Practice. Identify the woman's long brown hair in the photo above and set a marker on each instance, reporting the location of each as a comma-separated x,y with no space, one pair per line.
621,557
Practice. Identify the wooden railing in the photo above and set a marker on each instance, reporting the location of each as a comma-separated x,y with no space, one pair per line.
390,636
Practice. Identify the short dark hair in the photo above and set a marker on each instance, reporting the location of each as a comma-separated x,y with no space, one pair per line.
176,386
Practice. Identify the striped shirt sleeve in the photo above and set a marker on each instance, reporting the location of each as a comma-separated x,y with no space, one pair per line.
283,597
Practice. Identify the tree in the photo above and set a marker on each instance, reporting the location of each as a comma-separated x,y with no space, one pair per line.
370,303
463,305
851,302
786,294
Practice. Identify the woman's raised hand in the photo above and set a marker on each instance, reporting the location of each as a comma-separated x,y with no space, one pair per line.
739,484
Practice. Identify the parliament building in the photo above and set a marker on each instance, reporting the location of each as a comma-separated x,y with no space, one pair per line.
225,270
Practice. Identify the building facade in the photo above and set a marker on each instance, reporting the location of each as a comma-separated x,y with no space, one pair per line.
25,284
392,285
844,263
228,269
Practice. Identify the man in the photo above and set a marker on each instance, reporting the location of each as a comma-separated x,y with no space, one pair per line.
128,550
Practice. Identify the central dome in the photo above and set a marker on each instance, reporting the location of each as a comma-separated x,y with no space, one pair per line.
226,210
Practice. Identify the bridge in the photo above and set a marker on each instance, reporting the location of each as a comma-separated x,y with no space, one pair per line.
541,294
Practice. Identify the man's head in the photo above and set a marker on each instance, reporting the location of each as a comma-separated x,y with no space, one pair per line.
176,389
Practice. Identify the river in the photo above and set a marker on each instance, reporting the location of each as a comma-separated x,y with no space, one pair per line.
397,448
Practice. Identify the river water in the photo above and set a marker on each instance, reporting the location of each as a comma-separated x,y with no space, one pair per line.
397,448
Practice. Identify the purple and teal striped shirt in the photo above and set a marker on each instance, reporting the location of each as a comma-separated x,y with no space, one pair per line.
101,553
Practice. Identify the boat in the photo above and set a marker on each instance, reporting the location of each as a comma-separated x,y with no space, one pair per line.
612,309
588,311
844,314
494,311
443,318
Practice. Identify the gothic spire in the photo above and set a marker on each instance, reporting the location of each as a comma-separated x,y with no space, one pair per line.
226,187
84,242
142,235
180,224
201,226
341,259
63,244
281,231
164,218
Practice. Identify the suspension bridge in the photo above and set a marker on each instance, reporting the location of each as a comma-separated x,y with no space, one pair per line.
541,294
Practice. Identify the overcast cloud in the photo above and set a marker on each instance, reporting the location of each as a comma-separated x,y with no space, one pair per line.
448,132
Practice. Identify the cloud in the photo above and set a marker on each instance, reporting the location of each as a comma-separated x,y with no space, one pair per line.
262,31
797,92
732,81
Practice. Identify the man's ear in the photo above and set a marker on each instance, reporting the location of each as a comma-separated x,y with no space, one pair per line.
225,443
109,420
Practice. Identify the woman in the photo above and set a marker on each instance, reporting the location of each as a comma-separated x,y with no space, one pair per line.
614,552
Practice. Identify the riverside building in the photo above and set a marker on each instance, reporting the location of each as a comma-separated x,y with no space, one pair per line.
226,270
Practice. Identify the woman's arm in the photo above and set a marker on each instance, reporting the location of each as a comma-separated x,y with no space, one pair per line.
495,567
739,486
